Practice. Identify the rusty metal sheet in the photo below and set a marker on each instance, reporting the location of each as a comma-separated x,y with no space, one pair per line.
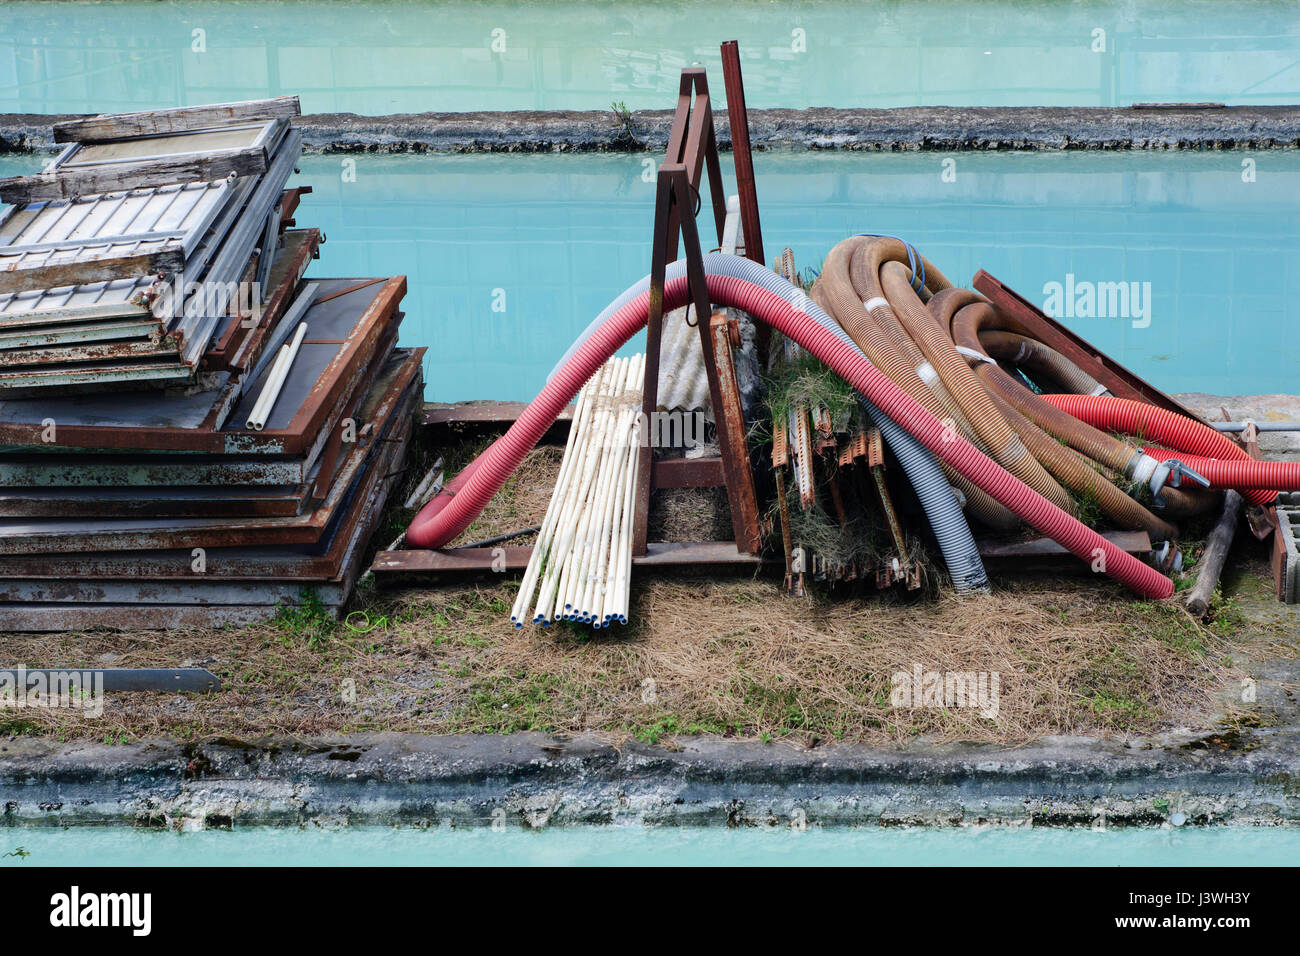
108,235
1100,366
192,592
687,472
89,352
20,382
48,618
119,329
254,601
43,466
289,264
153,502
212,419
333,559
55,535
124,420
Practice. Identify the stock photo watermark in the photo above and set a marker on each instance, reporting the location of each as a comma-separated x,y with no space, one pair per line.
1083,299
45,689
947,690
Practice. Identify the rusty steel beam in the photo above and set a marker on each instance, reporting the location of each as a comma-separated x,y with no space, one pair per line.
729,417
480,413
1134,542
453,561
687,473
738,121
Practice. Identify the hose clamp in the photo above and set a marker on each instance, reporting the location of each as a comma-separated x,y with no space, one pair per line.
1172,473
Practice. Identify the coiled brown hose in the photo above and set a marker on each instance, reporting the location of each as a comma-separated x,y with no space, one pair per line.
1078,474
834,291
872,296
967,313
970,323
964,385
1023,351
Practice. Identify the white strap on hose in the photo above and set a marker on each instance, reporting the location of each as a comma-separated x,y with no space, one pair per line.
1100,390
926,373
972,354
875,302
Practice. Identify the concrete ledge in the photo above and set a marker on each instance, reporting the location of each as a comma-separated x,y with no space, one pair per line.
909,128
534,780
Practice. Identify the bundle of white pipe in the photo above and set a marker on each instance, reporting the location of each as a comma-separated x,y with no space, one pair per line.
581,565
275,380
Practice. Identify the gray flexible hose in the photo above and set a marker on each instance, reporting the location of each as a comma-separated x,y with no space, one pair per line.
937,497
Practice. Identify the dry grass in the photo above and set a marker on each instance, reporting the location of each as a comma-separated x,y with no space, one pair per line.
702,656
690,514
729,656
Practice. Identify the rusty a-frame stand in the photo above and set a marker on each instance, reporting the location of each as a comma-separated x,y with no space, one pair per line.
693,148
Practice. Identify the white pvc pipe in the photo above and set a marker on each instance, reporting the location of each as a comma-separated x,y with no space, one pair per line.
549,596
555,554
278,375
541,548
588,529
582,542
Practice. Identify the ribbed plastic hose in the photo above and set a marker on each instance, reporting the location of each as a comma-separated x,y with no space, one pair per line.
1045,361
836,293
867,290
1077,473
745,290
966,314
964,385
1279,475
1149,421
932,484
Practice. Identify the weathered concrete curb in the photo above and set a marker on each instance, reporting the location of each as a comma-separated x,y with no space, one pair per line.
908,128
535,780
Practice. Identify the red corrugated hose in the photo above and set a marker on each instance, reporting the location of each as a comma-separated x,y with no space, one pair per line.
448,514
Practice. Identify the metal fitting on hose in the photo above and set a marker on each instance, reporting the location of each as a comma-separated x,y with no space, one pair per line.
1167,558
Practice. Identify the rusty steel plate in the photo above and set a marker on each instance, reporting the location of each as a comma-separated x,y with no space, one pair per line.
334,558
57,535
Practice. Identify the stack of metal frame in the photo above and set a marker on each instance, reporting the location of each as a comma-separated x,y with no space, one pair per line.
136,489
118,262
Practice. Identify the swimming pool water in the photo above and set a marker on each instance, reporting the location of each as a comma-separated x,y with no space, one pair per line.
404,56
509,257
626,846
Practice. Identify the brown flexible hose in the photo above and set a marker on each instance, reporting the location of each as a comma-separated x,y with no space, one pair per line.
834,292
1077,473
967,313
965,386
868,290
1041,361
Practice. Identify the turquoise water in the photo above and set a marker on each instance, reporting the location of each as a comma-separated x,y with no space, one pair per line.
551,239
668,846
390,57
509,257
